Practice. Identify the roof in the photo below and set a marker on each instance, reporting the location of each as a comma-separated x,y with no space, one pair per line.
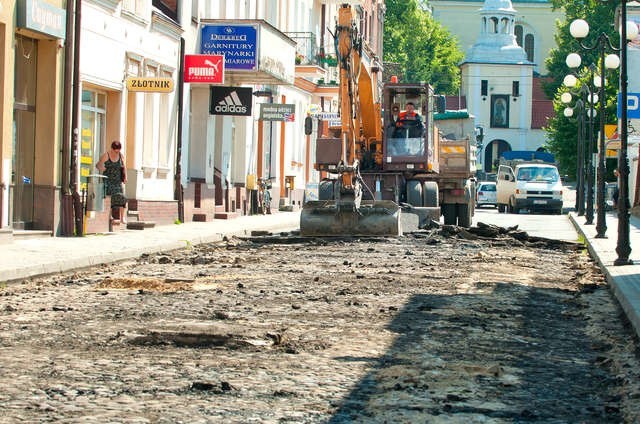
541,111
451,114
455,102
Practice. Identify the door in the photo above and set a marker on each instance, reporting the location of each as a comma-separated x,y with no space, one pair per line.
24,141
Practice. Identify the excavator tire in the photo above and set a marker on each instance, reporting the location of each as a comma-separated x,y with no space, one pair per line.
430,194
328,219
414,193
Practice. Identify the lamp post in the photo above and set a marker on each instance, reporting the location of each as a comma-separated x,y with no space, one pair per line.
569,112
573,61
593,98
579,29
628,31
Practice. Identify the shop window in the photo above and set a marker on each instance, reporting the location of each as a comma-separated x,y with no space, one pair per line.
92,135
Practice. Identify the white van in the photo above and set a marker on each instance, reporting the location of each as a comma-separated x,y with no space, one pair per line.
531,186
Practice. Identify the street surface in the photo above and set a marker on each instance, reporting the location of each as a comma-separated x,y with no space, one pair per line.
436,326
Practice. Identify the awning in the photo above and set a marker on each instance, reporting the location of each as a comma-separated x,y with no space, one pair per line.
255,52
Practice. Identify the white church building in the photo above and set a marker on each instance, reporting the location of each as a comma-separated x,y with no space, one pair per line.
500,80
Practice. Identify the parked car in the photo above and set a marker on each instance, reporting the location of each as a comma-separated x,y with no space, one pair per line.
486,194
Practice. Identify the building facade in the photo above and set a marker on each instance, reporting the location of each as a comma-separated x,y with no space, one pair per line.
194,150
32,39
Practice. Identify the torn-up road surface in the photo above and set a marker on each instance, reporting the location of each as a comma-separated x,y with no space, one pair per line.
436,326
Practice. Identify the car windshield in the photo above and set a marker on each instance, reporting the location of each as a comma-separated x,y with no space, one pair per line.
536,173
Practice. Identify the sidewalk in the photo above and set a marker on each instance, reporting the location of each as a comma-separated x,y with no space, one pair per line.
49,255
624,280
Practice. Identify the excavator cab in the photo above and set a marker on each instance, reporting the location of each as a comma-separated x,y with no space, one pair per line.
408,126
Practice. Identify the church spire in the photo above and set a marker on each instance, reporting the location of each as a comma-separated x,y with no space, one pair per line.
497,42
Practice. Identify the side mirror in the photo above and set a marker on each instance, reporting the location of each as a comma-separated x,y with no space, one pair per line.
308,125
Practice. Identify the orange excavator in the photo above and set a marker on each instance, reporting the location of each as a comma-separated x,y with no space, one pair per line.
341,209
382,163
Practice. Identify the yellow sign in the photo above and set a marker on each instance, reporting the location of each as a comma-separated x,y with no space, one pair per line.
150,85
610,129
86,159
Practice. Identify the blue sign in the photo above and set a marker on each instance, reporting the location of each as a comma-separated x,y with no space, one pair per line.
238,44
633,105
42,17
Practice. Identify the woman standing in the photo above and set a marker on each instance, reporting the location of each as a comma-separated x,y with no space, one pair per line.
112,165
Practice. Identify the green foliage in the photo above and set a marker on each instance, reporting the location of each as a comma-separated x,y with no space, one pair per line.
600,16
177,221
562,131
422,49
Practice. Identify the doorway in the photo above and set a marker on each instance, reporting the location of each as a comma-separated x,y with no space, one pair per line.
24,140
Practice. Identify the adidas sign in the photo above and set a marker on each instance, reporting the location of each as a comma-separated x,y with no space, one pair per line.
231,104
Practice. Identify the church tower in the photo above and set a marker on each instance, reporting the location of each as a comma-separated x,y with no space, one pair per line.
497,80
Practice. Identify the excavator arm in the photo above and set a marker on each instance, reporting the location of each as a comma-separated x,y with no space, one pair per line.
343,212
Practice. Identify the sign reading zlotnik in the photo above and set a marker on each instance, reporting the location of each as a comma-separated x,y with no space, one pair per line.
238,44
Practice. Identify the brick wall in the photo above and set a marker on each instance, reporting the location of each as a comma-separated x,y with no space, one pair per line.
162,212
206,201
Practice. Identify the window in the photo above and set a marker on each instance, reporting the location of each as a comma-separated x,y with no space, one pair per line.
526,40
494,25
168,7
484,87
518,33
93,143
529,46
135,7
515,88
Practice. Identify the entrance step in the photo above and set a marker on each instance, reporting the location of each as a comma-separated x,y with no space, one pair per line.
29,234
140,225
226,215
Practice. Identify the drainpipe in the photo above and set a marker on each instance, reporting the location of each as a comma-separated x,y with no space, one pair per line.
66,214
77,202
178,192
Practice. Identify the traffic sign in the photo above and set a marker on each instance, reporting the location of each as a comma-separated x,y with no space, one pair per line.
633,105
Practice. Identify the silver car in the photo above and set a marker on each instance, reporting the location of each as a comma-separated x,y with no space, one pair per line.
486,194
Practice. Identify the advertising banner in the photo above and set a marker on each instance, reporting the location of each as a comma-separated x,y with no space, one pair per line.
238,44
277,112
204,68
234,101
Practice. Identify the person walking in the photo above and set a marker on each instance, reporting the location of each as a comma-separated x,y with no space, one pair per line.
112,165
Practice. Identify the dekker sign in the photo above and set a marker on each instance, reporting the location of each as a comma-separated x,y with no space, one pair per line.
204,68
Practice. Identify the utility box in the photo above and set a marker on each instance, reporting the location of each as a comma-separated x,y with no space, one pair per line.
95,193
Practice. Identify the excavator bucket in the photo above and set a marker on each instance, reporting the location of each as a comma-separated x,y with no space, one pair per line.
325,218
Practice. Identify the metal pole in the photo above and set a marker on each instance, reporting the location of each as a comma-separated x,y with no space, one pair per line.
623,247
589,212
75,127
178,192
580,196
601,225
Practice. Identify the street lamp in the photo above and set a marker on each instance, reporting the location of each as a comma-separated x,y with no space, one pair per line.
573,61
592,113
566,98
579,30
628,31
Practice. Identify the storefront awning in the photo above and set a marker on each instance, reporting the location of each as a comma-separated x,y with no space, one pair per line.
255,52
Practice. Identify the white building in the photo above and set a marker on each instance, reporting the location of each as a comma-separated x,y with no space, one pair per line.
499,86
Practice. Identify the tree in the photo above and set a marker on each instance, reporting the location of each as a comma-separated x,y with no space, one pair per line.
420,47
562,131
